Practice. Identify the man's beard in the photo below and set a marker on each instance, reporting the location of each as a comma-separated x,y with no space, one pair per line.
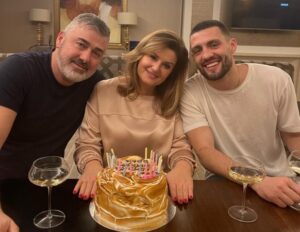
226,64
64,65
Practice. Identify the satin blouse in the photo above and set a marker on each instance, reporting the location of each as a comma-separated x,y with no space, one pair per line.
127,126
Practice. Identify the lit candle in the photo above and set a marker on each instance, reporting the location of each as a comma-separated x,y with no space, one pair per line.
146,151
155,157
113,161
108,160
151,155
112,151
159,164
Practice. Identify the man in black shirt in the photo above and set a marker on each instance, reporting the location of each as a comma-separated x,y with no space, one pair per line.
43,95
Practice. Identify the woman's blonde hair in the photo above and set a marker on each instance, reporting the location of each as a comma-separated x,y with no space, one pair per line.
167,94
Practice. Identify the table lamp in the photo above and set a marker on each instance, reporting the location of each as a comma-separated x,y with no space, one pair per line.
39,17
126,19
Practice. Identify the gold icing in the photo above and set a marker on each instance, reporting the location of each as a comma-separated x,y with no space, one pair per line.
131,201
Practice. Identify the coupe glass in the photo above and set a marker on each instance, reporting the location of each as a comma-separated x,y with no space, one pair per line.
47,172
245,170
294,163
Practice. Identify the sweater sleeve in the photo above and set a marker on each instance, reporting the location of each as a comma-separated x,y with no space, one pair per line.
181,149
88,143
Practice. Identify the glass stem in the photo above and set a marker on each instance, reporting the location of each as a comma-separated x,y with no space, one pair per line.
244,195
49,202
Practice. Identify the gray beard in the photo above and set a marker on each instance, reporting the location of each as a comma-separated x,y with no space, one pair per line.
69,74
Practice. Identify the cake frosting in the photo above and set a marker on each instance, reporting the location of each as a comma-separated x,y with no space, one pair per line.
132,195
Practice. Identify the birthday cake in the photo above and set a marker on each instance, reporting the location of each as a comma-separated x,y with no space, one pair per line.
132,194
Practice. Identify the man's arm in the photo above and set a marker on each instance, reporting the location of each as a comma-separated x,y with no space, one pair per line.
202,141
7,224
7,118
281,190
291,140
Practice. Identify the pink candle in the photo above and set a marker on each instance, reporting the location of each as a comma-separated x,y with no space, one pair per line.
151,155
119,166
145,171
153,171
155,157
140,169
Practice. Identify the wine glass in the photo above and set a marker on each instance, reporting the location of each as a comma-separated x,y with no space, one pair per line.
49,171
245,170
294,163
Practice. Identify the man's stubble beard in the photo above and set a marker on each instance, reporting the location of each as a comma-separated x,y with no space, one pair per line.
226,65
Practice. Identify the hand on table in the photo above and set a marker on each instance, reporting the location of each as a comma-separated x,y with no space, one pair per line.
180,182
7,224
280,190
86,186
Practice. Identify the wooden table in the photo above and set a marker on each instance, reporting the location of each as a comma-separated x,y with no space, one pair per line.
206,213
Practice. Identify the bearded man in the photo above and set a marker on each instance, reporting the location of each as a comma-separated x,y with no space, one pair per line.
43,94
231,110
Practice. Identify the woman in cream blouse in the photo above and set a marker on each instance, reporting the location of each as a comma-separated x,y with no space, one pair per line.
138,110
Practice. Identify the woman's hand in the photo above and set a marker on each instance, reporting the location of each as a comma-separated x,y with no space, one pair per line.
7,224
86,185
180,182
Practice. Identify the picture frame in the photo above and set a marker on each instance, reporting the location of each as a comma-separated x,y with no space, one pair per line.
65,10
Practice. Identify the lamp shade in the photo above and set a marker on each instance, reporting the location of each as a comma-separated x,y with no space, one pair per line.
39,15
127,18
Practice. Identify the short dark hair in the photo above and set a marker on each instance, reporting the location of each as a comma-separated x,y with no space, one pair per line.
211,23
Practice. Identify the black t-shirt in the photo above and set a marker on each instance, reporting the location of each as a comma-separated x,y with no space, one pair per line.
48,113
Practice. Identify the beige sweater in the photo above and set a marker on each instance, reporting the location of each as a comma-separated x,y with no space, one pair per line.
113,121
